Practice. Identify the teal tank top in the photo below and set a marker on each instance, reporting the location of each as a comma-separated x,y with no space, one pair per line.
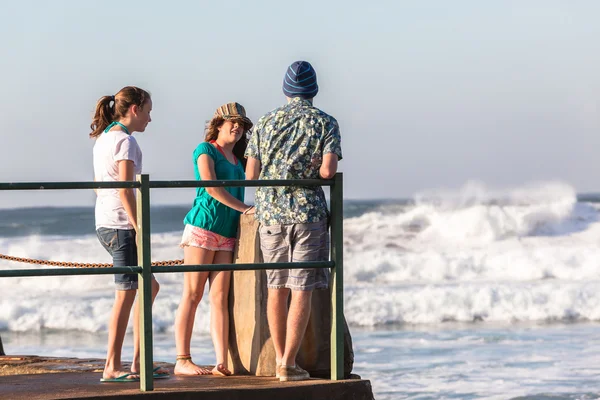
207,212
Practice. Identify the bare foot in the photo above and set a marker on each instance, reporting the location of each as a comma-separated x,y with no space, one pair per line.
187,367
156,370
221,370
108,374
161,371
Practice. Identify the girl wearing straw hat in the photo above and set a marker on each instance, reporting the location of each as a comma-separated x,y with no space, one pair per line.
210,232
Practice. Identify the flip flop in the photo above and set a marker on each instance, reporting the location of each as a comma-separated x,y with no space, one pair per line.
122,378
157,375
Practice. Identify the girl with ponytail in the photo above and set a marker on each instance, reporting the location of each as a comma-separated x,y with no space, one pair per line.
118,157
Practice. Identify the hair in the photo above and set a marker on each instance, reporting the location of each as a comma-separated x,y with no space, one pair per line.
212,133
106,113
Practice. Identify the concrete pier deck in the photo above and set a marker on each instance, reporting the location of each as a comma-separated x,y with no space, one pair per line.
44,378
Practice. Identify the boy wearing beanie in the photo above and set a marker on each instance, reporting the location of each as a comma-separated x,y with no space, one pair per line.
294,141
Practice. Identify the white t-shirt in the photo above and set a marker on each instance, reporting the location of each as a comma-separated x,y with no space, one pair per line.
110,148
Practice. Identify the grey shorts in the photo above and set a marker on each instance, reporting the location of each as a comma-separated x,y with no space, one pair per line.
296,242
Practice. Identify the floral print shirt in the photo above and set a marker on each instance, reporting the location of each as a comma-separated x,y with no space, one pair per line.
290,142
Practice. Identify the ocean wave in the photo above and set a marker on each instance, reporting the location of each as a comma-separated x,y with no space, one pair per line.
531,255
507,302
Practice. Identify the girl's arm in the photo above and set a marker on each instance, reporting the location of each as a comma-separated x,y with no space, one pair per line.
126,172
206,167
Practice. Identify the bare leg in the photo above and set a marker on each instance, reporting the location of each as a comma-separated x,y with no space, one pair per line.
277,315
117,327
135,365
193,289
296,324
219,312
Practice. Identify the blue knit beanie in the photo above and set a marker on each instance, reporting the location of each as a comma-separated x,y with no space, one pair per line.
300,81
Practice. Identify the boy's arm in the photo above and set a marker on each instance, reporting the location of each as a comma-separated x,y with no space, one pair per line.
252,168
332,151
329,166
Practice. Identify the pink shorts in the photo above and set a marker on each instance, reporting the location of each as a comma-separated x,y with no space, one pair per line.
198,237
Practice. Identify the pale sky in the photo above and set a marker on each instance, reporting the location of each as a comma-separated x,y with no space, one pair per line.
428,94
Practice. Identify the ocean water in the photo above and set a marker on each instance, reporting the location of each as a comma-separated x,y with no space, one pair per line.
458,294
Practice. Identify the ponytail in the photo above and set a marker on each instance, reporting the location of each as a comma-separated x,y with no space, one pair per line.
103,116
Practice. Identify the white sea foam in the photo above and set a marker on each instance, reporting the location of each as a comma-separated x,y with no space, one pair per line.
525,254
468,302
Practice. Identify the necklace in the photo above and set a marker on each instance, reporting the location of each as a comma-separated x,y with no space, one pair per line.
117,123
223,152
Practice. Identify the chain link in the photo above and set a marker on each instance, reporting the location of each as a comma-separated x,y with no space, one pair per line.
165,263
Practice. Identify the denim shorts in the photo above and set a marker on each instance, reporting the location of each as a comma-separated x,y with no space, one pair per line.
121,245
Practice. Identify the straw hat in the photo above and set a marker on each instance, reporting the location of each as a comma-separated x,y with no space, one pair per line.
233,112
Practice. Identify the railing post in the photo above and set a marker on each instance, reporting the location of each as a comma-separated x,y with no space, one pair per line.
337,288
145,284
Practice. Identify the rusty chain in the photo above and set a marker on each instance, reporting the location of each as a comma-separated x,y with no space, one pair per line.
80,265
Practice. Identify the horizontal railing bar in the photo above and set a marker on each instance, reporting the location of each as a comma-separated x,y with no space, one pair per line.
15,273
244,267
176,268
162,184
242,183
68,185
